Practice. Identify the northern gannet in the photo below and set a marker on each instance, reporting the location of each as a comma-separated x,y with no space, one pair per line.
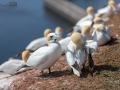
11,66
101,34
59,32
77,51
46,56
91,14
37,43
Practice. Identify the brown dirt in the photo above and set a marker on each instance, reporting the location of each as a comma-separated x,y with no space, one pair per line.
106,75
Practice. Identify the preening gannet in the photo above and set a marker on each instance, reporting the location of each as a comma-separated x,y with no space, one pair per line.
11,66
77,51
101,34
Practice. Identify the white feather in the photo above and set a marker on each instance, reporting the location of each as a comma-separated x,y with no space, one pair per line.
64,42
37,43
45,57
12,66
78,57
102,37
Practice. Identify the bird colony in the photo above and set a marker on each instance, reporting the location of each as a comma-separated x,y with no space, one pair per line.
88,34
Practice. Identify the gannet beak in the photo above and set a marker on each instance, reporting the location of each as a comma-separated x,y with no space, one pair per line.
56,36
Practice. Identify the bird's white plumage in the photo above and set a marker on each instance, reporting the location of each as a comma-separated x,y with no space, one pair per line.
117,8
84,21
11,66
78,57
102,36
37,43
47,56
64,42
105,12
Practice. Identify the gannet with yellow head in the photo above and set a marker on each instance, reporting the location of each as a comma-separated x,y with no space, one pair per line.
101,34
91,14
78,50
37,43
46,56
59,32
12,65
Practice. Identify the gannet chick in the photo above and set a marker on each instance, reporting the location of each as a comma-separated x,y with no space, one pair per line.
46,56
12,65
59,32
91,14
77,51
86,31
101,34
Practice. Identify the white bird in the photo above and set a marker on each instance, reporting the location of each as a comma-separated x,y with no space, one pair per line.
91,14
86,30
59,32
13,65
96,20
116,8
46,56
107,11
101,34
77,51
37,43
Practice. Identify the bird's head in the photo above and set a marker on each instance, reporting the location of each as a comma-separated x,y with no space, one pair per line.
52,38
86,30
10,59
99,27
112,3
59,31
25,55
78,40
47,31
98,20
90,10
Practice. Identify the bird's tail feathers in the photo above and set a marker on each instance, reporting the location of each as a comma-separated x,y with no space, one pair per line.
23,69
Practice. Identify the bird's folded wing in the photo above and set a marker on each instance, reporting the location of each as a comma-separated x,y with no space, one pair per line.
107,33
37,43
36,60
10,67
91,46
70,57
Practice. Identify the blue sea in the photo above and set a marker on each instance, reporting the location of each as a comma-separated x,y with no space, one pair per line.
22,21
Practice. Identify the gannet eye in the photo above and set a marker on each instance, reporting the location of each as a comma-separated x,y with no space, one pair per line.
51,37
